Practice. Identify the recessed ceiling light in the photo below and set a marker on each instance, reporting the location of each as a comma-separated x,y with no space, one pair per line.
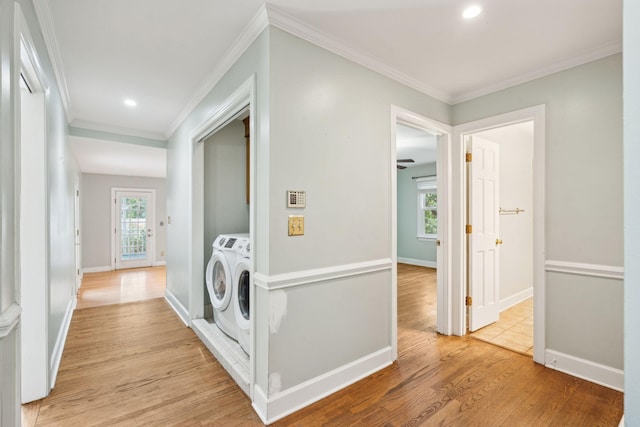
471,12
130,102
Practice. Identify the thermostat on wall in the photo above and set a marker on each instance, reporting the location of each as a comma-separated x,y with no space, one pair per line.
296,199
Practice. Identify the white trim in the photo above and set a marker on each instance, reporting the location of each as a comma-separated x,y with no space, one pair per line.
175,304
593,55
252,31
585,369
289,23
97,269
458,190
159,263
286,402
58,348
584,269
299,278
9,319
260,403
45,18
418,262
515,299
621,421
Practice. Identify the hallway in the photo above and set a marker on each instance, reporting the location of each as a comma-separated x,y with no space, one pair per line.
137,364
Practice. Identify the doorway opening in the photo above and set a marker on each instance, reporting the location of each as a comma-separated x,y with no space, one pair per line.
500,245
223,255
477,217
420,208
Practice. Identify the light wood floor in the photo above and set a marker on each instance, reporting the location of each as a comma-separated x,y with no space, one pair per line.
120,286
136,364
514,330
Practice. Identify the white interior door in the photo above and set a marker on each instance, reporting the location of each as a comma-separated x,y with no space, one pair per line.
134,229
484,236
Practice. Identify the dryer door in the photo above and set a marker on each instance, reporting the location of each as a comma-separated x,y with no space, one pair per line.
219,282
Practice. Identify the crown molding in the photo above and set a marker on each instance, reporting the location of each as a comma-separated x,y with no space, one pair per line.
256,26
600,52
45,18
286,22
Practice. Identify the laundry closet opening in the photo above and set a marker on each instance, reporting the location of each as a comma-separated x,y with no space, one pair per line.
226,282
500,245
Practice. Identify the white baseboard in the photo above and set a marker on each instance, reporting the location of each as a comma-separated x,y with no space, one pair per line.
281,404
58,348
516,299
418,262
97,269
585,369
180,309
159,263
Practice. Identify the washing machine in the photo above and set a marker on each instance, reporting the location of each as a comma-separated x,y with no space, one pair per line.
219,279
241,292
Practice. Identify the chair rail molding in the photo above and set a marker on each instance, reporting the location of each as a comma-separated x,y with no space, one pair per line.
584,269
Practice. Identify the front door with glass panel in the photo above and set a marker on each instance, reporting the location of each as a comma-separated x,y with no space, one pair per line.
134,231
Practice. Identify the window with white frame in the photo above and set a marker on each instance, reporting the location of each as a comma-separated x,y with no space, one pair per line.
427,190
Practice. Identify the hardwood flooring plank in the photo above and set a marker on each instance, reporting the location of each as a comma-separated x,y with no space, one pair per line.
136,364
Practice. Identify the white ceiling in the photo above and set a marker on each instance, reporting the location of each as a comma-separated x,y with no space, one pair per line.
117,158
166,54
416,144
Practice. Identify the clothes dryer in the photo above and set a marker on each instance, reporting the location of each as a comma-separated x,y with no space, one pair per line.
241,294
219,279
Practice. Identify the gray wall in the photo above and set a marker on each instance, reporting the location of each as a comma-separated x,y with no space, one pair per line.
96,206
61,172
408,245
583,164
330,136
631,209
225,203
9,344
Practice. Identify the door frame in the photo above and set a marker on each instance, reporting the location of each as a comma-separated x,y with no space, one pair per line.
443,165
36,372
459,202
244,97
151,250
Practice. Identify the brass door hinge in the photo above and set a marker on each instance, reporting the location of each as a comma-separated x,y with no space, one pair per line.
468,157
468,229
467,300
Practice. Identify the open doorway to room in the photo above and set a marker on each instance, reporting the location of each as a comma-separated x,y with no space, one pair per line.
500,205
479,210
417,186
420,226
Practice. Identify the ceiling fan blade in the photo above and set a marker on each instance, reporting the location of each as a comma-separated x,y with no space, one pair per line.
405,161
401,167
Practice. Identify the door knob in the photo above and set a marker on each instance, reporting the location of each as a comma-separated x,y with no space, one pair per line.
437,242
498,242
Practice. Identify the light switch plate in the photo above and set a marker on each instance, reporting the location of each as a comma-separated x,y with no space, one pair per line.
296,225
